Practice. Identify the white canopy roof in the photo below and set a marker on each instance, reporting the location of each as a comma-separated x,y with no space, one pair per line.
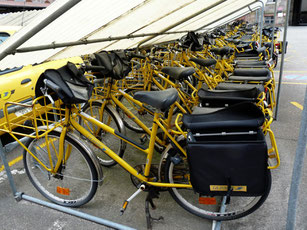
92,19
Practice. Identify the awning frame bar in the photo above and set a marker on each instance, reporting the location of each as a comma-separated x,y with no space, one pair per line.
45,22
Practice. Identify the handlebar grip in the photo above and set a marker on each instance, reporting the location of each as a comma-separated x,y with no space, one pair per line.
95,68
52,86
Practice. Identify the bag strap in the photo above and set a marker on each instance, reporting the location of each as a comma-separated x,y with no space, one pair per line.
77,73
229,190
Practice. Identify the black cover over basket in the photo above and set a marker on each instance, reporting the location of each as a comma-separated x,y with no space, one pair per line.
116,63
75,88
219,162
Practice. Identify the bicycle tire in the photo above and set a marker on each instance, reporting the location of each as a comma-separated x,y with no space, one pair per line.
77,182
114,143
189,199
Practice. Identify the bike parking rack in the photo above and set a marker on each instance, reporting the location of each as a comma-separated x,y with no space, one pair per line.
282,57
216,225
21,196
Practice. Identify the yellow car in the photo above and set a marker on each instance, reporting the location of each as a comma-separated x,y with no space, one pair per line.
7,31
18,85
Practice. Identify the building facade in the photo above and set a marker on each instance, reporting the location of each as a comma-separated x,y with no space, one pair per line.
7,6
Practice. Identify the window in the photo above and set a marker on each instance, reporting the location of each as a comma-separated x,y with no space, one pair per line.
3,36
269,19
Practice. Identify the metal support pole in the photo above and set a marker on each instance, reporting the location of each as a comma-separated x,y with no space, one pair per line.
12,145
259,18
45,22
232,19
19,196
76,213
7,169
183,20
261,23
203,27
274,24
216,225
297,169
282,57
85,41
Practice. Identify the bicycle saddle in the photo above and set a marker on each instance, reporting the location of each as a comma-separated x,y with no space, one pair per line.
158,99
249,78
204,62
218,98
178,73
250,63
245,115
234,86
257,74
222,51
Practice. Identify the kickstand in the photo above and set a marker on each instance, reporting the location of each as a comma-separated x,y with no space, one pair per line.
152,193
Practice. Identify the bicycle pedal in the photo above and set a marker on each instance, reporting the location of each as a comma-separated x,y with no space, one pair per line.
126,202
123,209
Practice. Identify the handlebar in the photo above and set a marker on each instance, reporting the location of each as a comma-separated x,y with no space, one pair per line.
52,86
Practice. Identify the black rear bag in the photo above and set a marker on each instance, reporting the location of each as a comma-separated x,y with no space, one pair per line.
227,161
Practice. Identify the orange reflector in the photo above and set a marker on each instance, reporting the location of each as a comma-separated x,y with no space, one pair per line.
207,200
63,191
125,204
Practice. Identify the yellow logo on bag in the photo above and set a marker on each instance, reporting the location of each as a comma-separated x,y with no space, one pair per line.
224,188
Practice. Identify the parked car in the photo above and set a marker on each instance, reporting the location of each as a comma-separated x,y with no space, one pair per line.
18,85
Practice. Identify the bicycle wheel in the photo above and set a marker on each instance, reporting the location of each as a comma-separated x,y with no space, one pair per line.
139,112
76,181
114,143
177,171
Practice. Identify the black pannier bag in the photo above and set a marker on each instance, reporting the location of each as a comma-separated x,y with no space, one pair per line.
192,41
228,161
117,64
74,87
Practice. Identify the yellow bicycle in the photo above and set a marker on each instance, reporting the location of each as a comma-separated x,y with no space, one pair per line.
48,170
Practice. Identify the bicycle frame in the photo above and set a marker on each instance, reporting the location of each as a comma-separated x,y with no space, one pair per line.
185,99
110,98
149,150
